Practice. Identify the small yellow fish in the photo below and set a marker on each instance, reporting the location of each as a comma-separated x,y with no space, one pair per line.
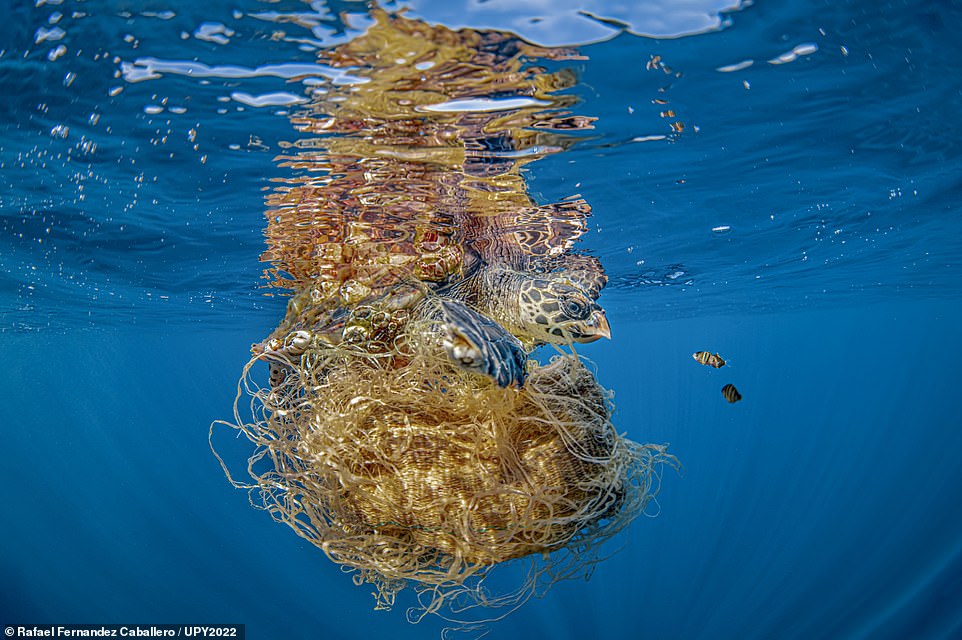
707,358
731,393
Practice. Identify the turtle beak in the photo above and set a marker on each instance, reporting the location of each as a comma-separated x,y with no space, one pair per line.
595,327
602,330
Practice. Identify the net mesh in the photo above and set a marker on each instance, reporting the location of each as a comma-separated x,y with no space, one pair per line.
412,472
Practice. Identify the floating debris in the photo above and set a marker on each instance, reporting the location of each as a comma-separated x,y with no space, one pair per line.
731,393
709,359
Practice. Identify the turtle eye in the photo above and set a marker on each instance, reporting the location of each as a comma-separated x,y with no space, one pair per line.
574,308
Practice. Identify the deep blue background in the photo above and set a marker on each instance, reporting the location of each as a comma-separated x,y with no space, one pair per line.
823,505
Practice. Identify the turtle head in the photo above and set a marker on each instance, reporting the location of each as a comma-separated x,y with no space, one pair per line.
557,312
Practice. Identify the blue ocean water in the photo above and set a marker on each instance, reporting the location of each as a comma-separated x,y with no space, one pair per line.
804,223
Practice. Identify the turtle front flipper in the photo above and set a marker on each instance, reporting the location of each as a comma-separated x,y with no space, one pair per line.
478,344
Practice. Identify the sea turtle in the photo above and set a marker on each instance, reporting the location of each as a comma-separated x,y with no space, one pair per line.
524,276
510,299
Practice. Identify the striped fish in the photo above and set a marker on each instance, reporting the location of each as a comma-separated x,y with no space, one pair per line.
708,358
731,393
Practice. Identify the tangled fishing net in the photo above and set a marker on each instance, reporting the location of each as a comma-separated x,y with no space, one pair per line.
413,473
